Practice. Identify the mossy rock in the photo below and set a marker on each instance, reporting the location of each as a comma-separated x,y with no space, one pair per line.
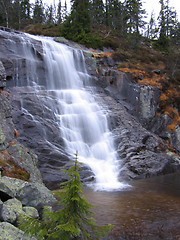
10,232
31,212
11,209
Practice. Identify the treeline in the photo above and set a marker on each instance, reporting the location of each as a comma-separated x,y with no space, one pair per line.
127,18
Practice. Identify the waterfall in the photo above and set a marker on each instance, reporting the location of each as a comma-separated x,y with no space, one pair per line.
82,122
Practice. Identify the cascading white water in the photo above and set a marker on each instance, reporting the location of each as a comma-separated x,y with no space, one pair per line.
82,123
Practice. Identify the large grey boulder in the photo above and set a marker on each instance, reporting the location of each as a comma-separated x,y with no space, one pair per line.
10,211
10,232
10,186
35,195
30,194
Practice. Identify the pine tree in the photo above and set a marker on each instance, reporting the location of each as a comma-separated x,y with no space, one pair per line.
50,14
78,23
134,15
72,220
152,29
6,10
97,12
38,12
59,13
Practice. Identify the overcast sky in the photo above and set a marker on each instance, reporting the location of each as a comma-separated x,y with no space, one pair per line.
148,5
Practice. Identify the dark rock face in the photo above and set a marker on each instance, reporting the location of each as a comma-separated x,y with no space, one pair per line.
13,56
131,113
141,152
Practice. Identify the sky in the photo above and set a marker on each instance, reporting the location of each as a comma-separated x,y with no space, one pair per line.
148,5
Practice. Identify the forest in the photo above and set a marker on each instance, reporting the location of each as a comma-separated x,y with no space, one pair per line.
126,19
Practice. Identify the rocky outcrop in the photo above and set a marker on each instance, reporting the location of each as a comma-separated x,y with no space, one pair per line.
10,150
142,154
138,131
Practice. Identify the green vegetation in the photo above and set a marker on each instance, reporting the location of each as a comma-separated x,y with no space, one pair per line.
72,220
123,19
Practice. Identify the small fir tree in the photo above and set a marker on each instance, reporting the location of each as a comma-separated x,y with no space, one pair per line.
72,220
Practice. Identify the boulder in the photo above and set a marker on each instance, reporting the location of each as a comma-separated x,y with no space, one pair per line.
10,186
35,195
30,194
31,212
11,209
10,232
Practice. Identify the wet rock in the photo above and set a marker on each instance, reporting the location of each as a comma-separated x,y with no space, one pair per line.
141,153
10,232
2,76
177,138
12,55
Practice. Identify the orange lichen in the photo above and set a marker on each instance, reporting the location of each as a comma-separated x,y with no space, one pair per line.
102,54
12,143
15,133
173,114
11,168
97,71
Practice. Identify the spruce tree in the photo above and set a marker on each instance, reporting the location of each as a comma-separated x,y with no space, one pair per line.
72,220
78,24
38,12
97,12
59,13
134,15
6,10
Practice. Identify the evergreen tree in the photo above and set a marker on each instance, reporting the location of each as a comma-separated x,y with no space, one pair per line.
38,12
64,12
170,20
6,10
59,13
16,14
97,12
152,29
78,24
73,219
134,15
50,14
